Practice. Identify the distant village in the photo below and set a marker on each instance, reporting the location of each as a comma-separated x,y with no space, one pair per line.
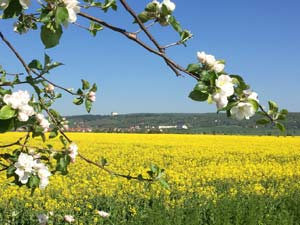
162,128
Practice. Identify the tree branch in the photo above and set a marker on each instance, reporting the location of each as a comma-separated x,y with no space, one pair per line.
129,177
28,70
132,36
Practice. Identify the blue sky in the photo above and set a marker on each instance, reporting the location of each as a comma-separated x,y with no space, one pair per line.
258,39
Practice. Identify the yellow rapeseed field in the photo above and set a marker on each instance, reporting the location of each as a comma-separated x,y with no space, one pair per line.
210,166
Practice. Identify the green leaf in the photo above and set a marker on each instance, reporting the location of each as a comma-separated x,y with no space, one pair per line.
284,112
63,140
273,106
164,183
198,96
194,68
47,60
144,17
62,162
33,182
53,133
10,171
94,28
263,121
94,88
61,15
175,24
6,112
14,9
254,104
88,105
6,125
185,35
35,64
241,83
281,127
165,11
85,84
50,37
103,161
201,86
152,7
78,101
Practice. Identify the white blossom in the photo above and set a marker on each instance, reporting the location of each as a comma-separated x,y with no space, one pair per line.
4,4
25,3
242,110
103,214
206,59
43,122
25,111
24,167
17,99
210,61
73,149
221,99
73,8
49,88
92,96
27,166
251,95
43,173
170,5
43,219
69,218
225,83
218,67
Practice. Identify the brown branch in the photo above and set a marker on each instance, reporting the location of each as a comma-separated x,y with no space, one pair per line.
148,26
266,114
175,67
142,26
11,144
28,70
129,177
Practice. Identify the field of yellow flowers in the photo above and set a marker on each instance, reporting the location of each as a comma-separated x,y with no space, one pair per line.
213,180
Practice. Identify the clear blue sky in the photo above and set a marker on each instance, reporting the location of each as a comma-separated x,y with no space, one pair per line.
259,40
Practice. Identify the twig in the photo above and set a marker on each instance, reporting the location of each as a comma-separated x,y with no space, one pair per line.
172,44
129,177
28,70
133,37
83,27
266,114
148,26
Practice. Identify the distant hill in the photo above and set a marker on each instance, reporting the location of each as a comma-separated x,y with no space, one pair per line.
204,123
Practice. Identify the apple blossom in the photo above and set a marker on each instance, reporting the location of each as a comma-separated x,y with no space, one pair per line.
206,59
201,57
73,8
103,214
225,83
25,3
218,67
170,5
43,219
221,99
49,88
92,96
43,173
251,95
242,110
25,111
17,99
69,218
24,167
44,123
4,4
73,149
